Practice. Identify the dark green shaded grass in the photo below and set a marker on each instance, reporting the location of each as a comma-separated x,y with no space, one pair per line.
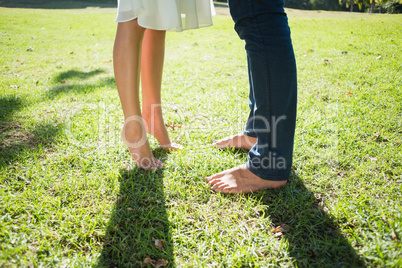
71,196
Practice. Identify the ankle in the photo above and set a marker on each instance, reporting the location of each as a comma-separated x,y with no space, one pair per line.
133,131
153,122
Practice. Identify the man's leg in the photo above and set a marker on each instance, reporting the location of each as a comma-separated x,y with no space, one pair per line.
274,84
272,69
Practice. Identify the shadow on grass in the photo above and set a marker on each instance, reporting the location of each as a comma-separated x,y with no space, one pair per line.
315,239
221,4
15,139
76,74
8,106
63,85
138,219
57,4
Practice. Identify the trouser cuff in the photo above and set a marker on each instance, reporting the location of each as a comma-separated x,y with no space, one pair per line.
268,174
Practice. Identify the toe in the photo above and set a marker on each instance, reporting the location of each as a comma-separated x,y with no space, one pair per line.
218,185
225,189
145,166
220,143
172,147
213,177
158,164
176,146
229,190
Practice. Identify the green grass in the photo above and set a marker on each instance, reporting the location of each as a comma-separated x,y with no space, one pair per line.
71,196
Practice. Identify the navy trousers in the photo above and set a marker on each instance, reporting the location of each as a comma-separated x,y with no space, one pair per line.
263,25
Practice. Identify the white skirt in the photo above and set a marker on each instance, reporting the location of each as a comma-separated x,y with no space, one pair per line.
172,15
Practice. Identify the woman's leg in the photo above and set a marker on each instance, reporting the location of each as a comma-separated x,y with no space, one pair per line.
126,61
153,54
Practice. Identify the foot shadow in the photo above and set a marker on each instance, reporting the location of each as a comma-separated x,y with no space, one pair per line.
139,219
315,239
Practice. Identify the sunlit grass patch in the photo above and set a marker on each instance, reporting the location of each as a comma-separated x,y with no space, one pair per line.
71,196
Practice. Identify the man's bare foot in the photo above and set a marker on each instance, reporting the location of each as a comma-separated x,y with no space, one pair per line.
135,137
240,180
156,127
238,141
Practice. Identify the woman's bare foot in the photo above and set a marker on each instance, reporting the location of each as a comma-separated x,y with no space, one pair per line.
171,147
240,180
155,126
134,136
238,141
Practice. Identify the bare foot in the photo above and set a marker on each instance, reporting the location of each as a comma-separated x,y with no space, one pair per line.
240,180
135,137
238,141
156,127
172,147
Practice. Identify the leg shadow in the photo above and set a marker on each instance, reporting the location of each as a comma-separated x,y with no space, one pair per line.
315,240
138,223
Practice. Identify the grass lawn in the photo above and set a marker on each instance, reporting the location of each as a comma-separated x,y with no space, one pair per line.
71,196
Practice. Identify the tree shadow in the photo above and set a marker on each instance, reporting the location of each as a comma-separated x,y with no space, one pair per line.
76,74
315,239
14,138
8,106
63,86
139,218
221,3
57,4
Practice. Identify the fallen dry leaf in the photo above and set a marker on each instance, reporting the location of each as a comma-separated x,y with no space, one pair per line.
149,261
173,126
349,93
159,243
318,197
283,228
161,263
279,234
156,264
394,236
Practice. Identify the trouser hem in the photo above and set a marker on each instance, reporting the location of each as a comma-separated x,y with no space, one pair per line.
249,134
259,172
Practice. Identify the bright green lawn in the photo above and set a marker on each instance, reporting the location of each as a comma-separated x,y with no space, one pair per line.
70,195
